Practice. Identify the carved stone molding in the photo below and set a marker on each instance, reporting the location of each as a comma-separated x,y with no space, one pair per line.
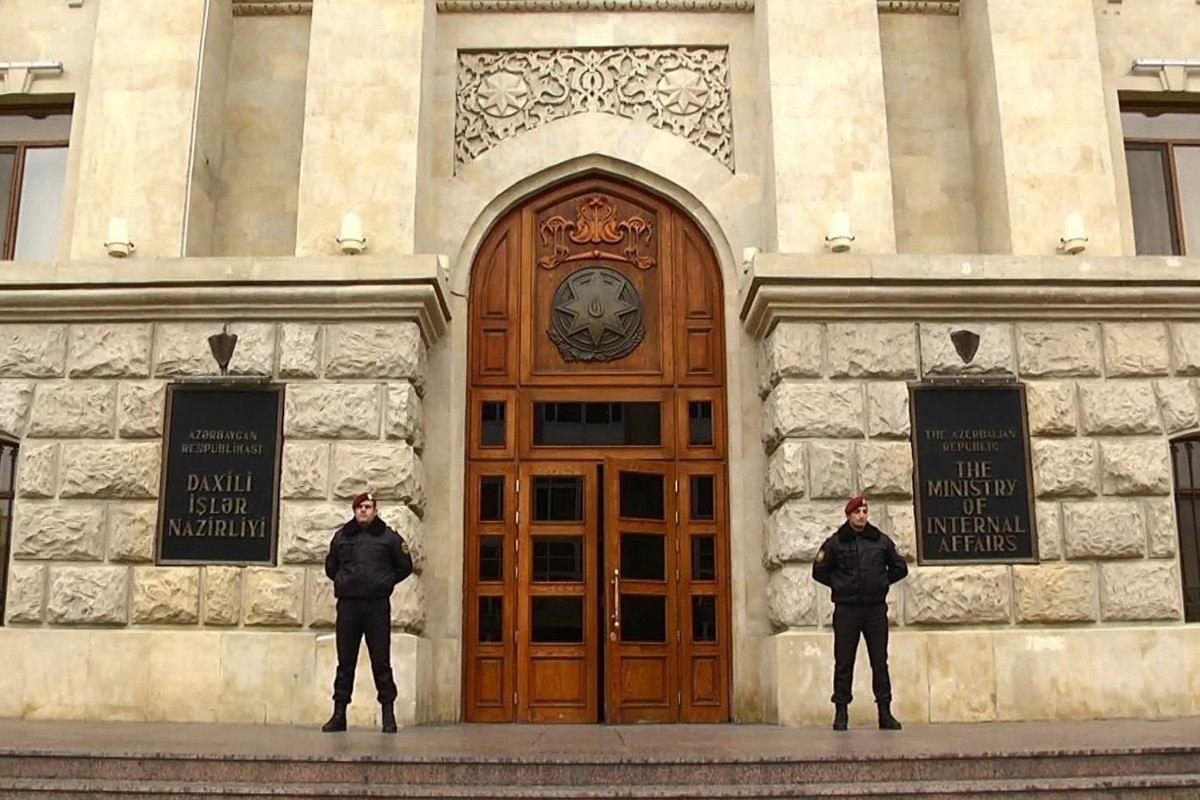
946,7
271,8
682,90
693,6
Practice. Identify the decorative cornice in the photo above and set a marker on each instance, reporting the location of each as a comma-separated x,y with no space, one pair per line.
500,6
944,7
271,8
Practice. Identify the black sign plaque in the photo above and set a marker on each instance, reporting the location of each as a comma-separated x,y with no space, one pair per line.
974,498
219,501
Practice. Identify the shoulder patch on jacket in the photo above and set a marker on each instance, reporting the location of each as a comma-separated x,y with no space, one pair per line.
821,555
403,546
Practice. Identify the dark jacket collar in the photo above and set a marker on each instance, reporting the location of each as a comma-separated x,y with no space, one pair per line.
377,527
846,533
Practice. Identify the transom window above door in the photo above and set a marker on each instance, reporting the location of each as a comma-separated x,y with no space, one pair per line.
1162,154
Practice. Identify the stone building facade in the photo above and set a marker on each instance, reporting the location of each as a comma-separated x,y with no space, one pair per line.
958,138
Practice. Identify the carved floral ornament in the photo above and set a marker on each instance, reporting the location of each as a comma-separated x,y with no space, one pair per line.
596,223
682,90
685,6
272,8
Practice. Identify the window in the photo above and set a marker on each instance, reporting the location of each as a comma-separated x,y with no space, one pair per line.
8,472
1185,455
33,168
1162,152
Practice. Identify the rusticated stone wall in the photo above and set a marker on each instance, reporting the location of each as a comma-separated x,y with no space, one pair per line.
1104,399
86,403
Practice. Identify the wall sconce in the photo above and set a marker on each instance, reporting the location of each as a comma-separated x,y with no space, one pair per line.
352,240
1074,239
840,236
222,346
118,244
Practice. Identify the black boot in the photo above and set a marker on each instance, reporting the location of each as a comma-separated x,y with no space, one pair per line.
338,721
389,717
841,716
886,721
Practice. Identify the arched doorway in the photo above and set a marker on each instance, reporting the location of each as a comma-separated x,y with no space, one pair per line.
596,584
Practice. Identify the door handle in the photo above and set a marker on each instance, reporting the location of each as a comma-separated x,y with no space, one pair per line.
616,584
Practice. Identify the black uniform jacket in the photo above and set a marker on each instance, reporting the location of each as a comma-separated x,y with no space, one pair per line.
367,563
859,567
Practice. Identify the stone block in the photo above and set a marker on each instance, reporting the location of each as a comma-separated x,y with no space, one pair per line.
37,470
993,357
182,349
1177,404
184,677
962,674
118,350
1185,347
1162,533
110,471
299,350
1055,592
887,411
16,398
392,471
118,672
304,471
322,605
74,410
1051,408
408,605
1119,408
812,410
967,595
131,531
1140,591
58,531
829,471
1103,529
1049,531
1064,468
95,595
140,410
884,469
166,595
1135,349
792,597
274,596
899,522
33,351
375,350
792,350
1135,467
795,531
1058,349
222,595
332,411
25,599
787,474
878,350
306,529
411,529
405,416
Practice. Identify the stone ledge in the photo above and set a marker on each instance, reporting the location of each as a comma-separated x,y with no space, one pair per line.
576,6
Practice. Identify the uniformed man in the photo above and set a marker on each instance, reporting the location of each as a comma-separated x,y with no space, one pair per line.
366,560
859,563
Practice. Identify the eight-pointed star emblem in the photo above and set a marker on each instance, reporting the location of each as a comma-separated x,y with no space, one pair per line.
503,94
597,306
596,316
682,91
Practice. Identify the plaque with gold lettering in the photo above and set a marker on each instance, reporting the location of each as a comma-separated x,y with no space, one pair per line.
971,467
219,500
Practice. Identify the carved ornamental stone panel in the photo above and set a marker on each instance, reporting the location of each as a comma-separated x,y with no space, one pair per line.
683,90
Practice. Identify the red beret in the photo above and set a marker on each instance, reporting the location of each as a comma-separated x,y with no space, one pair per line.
855,502
361,497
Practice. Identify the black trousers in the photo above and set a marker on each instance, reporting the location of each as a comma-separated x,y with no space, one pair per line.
372,618
848,622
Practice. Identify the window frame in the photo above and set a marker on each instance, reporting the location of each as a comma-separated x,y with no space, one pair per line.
1187,489
10,216
1170,172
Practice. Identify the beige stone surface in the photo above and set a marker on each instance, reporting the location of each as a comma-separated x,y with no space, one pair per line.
792,350
1140,466
1051,593
1185,347
1135,349
274,596
74,410
787,474
1177,404
792,597
33,351
1049,531
1140,591
58,531
25,595
304,471
884,469
898,521
140,410
130,531
885,350
821,410
222,594
1064,468
957,595
1040,675
166,595
962,672
181,349
93,595
887,410
829,470
409,604
118,675
320,604
184,677
795,530
305,530
994,355
16,398
392,471
332,411
110,471
1052,408
404,416
37,470
381,350
1058,349
109,351
299,350
1162,531
53,694
1107,529
410,527
1122,408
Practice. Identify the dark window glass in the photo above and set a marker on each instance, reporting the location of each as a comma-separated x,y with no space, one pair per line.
558,498
643,618
8,471
642,495
1186,458
491,425
702,497
491,498
557,620
704,558
8,162
557,558
643,556
491,619
704,618
491,558
589,424
1153,218
1163,161
700,424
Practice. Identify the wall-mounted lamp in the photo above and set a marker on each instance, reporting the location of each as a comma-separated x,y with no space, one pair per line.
352,240
222,346
118,245
1074,239
840,236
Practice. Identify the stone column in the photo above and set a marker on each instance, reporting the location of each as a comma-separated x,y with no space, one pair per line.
141,121
823,71
367,62
1039,129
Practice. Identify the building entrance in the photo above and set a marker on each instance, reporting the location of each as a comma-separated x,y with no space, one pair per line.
596,583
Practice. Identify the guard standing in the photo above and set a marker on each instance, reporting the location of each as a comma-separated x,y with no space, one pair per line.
859,563
366,560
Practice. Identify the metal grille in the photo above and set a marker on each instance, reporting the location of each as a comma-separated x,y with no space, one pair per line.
1185,455
8,472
